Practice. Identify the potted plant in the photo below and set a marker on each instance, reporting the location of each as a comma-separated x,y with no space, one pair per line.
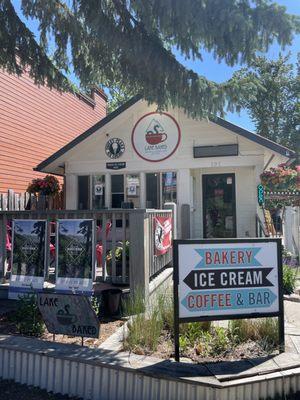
119,259
279,178
48,186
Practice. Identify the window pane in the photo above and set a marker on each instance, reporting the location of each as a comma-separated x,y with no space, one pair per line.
169,187
98,192
117,200
117,183
133,189
152,191
83,192
117,191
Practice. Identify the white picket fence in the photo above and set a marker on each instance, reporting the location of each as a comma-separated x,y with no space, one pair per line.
291,230
11,201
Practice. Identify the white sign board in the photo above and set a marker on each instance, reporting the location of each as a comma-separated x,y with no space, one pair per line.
229,278
156,136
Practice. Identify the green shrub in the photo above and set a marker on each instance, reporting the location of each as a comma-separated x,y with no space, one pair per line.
206,339
134,305
166,307
263,330
27,317
220,341
289,279
193,331
213,342
144,332
95,303
146,326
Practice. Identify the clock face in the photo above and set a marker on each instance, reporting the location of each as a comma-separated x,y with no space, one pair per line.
114,148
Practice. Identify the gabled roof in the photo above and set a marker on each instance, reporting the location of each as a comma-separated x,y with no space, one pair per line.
284,151
87,133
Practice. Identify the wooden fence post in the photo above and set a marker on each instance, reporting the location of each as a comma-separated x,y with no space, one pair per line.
3,222
139,253
185,221
10,200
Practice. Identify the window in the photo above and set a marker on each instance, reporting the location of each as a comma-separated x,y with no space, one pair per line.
117,191
133,189
152,190
83,192
169,187
160,188
98,192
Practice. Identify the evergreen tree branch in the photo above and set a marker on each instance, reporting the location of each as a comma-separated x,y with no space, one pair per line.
131,41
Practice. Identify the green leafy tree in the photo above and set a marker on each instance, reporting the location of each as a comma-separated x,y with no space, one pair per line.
132,42
274,104
118,95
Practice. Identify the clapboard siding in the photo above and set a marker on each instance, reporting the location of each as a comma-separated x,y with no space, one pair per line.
35,122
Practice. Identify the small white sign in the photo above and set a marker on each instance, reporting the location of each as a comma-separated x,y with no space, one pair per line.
132,190
99,189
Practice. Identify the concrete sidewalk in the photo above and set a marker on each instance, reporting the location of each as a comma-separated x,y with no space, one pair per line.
292,326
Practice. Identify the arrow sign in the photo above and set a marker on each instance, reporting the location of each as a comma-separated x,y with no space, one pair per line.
228,299
228,278
228,257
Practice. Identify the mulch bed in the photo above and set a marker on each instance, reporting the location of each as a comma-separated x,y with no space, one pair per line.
242,351
107,327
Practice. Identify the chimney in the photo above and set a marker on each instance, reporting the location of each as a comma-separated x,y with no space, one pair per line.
100,99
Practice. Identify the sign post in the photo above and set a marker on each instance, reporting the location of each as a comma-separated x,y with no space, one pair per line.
227,279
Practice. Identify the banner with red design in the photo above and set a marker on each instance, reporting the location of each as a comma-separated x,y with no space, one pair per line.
162,234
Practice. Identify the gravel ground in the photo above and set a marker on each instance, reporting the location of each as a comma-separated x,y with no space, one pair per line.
9,390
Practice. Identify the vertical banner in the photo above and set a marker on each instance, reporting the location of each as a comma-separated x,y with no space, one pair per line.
162,234
28,257
75,256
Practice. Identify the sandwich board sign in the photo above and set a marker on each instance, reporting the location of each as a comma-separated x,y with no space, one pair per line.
227,279
68,314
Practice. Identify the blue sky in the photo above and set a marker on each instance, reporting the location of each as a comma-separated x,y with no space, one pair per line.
212,69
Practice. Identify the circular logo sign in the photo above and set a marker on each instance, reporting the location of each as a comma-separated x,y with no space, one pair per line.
114,148
155,136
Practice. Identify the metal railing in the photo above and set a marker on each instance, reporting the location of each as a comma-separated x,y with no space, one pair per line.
260,228
124,242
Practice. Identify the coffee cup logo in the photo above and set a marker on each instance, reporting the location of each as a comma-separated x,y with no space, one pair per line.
155,133
155,136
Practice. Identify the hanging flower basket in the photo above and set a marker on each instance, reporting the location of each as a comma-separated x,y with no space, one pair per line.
48,186
281,178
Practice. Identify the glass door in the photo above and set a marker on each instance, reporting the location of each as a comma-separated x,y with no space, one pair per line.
219,206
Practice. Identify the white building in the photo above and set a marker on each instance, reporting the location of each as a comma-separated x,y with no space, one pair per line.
139,157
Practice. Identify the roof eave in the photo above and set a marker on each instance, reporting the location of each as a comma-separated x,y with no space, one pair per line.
278,148
40,167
